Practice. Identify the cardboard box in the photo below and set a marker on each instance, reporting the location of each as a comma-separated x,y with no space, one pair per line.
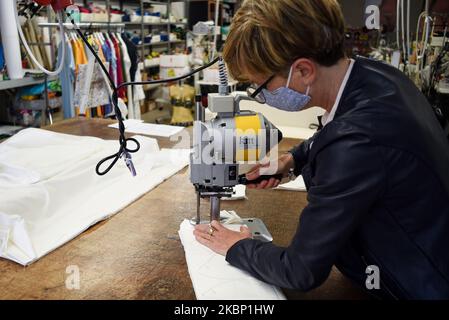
174,61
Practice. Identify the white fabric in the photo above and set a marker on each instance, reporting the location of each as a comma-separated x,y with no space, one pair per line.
329,116
215,279
239,193
50,193
295,185
230,217
9,130
150,129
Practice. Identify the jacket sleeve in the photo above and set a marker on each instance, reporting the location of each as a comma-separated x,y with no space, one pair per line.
349,178
300,155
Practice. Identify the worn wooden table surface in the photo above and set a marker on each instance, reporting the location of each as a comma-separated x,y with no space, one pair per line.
137,253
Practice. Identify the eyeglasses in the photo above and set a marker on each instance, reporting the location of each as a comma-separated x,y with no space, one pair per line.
256,93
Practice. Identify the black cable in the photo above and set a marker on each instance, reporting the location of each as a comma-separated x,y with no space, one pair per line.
124,151
125,84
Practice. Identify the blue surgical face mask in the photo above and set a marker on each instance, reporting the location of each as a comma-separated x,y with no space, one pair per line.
287,99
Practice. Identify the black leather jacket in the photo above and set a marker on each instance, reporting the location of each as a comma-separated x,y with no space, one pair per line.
378,192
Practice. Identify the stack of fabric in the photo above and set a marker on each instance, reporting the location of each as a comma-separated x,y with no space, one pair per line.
50,193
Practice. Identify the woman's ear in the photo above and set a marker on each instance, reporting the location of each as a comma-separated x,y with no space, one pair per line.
304,71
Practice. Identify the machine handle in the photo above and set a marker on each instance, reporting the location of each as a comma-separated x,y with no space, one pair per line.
243,180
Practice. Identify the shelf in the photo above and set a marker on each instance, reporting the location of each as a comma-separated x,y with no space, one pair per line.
150,24
156,2
111,24
27,81
146,23
83,25
161,2
149,66
153,24
160,43
209,83
148,87
443,89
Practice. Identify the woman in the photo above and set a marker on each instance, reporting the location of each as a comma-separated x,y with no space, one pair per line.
377,173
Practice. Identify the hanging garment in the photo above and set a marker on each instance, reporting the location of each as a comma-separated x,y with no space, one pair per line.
122,59
82,49
107,52
99,49
132,51
121,91
97,112
2,58
127,65
50,193
91,88
79,54
113,66
67,78
108,56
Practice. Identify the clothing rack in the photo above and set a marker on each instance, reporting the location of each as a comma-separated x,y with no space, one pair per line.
107,26
85,25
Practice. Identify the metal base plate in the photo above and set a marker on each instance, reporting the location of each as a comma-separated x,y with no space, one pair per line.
258,229
256,226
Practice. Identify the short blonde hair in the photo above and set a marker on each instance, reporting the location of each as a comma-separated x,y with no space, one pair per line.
266,36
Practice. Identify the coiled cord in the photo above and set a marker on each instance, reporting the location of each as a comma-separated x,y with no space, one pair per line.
123,151
223,77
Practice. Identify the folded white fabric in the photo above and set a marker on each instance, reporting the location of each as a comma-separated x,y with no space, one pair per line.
295,185
239,193
215,279
50,193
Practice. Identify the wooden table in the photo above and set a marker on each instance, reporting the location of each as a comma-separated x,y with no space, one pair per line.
137,253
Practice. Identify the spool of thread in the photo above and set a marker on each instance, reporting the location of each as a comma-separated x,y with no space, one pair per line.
10,39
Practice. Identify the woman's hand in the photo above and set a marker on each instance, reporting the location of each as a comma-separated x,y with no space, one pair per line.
218,238
284,164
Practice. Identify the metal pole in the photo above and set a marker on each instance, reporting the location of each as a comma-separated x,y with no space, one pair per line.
169,24
215,203
108,10
142,58
200,111
198,208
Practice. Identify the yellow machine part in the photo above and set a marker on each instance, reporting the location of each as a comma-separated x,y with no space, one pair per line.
247,131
